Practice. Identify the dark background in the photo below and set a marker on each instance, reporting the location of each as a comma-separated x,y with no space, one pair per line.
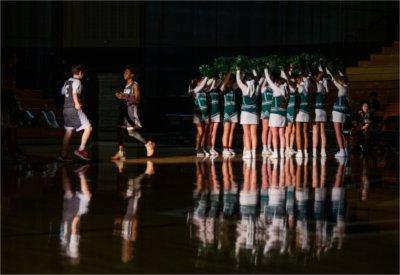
168,40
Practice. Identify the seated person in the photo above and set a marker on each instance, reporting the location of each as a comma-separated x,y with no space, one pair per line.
363,126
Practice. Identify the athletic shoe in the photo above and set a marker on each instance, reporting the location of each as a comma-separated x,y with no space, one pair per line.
293,151
206,153
288,153
323,153
246,154
299,155
213,152
265,152
82,154
226,152
150,148
63,158
314,154
232,152
253,154
120,155
200,153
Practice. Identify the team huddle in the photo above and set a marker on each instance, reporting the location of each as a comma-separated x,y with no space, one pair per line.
76,120
284,103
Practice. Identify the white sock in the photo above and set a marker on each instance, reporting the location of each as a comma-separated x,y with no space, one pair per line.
282,151
82,147
253,152
299,151
323,150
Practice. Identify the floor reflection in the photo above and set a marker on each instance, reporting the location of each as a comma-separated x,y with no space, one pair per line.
292,212
75,205
126,224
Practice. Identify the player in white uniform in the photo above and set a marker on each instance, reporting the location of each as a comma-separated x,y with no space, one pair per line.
128,117
320,113
277,119
74,117
249,116
340,108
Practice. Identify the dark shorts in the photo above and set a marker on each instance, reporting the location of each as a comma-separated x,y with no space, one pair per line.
75,119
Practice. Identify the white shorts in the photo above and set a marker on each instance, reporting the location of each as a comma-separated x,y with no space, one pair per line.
302,117
232,119
248,118
320,115
197,119
338,117
216,118
277,121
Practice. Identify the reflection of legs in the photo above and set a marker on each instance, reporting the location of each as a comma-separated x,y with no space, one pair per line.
315,174
253,176
339,176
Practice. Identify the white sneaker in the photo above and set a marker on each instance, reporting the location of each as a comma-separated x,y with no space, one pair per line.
323,153
232,151
207,154
299,155
213,152
265,152
288,152
274,155
340,154
314,154
253,154
305,154
226,152
246,154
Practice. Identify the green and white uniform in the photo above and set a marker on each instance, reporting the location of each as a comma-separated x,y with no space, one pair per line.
277,117
320,111
215,114
230,110
266,103
303,115
200,108
291,108
249,111
341,105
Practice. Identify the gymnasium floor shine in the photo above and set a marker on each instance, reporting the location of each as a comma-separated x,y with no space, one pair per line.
179,214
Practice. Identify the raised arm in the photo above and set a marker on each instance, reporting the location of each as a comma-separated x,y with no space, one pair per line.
201,85
337,84
325,83
268,78
283,75
241,85
225,81
340,73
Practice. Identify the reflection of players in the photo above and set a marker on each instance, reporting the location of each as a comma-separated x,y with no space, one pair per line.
230,188
365,175
248,203
338,207
276,232
302,200
128,225
75,205
321,224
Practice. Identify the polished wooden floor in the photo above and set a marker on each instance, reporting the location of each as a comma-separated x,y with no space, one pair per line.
175,213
